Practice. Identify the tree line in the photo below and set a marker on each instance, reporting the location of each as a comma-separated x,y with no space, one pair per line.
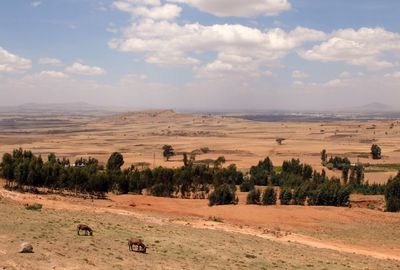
22,169
299,183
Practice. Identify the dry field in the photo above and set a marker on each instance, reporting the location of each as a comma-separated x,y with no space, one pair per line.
180,235
187,234
140,136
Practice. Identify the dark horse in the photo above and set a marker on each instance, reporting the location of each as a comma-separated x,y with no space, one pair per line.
85,228
141,247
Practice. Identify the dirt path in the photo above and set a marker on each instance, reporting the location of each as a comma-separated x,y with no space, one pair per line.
110,206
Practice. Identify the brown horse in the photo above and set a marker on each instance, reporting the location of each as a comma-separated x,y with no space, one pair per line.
85,228
141,247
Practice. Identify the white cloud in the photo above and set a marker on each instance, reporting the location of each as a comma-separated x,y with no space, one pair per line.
36,3
79,68
297,83
149,9
238,47
373,48
239,8
13,63
50,61
345,74
393,75
299,74
335,83
268,73
53,74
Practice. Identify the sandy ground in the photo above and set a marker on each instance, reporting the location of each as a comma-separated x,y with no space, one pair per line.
350,230
141,135
173,243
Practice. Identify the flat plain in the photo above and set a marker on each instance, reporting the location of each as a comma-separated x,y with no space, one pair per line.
139,136
188,234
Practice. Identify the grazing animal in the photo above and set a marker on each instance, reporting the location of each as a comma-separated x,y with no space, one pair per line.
85,228
141,247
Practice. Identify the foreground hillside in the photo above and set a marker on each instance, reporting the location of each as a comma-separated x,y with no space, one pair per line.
172,243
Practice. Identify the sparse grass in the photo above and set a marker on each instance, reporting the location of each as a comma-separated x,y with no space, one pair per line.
170,246
375,171
388,167
34,207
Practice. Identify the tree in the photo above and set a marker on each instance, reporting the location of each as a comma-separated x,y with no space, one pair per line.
223,194
259,174
300,194
269,196
219,162
345,174
246,186
285,196
52,158
7,167
115,162
185,160
324,156
280,140
168,152
253,197
392,194
376,152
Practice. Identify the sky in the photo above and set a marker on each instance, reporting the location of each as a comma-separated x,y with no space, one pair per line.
201,54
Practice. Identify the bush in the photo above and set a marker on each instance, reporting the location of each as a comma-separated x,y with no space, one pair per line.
300,194
205,150
215,219
34,207
329,166
269,196
285,196
392,194
259,174
246,186
254,196
160,190
344,196
330,193
223,194
376,152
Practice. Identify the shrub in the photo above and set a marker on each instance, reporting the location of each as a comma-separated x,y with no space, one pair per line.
205,150
344,196
223,194
254,196
33,207
376,152
269,196
392,194
259,174
285,196
215,219
246,186
115,161
160,190
300,194
329,166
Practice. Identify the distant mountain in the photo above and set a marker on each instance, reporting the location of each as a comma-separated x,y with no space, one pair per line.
374,107
57,108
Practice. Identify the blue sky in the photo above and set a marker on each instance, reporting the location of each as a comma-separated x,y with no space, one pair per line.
200,54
